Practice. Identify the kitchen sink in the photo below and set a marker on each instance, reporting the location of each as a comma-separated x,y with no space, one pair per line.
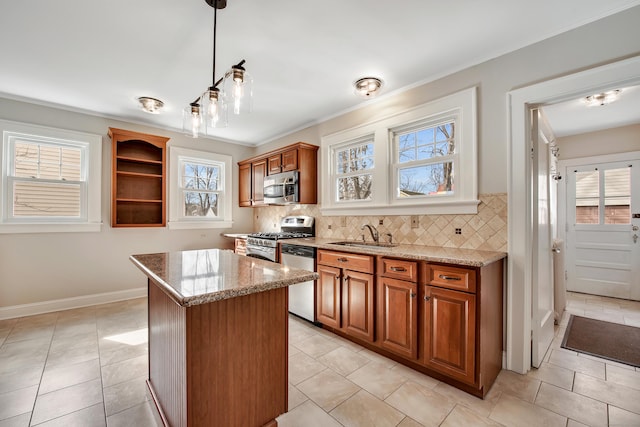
368,245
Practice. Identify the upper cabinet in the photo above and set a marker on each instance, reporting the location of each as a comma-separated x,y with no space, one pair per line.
138,179
300,156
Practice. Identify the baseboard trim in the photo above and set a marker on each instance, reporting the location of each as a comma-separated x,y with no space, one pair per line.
22,310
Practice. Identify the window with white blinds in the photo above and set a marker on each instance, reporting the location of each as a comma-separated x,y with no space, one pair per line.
47,178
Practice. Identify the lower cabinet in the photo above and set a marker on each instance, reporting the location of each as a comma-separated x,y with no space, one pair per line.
398,316
449,332
444,320
345,293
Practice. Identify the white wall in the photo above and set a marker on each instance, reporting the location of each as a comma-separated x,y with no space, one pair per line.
42,267
604,41
609,141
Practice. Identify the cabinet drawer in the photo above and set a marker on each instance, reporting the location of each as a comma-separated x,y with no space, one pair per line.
399,269
445,276
363,263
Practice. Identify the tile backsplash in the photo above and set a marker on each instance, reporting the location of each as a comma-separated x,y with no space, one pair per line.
486,230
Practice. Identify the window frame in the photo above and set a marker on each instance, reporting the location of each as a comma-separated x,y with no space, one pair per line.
177,220
90,184
461,106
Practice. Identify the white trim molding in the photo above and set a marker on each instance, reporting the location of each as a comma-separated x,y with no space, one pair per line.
22,310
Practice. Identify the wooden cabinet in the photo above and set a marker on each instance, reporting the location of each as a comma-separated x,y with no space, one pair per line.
283,162
258,172
138,179
449,332
328,295
462,322
300,156
245,188
398,306
240,246
345,293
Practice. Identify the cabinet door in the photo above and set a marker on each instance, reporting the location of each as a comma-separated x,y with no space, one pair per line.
244,185
449,332
289,160
274,164
328,296
258,173
398,316
357,305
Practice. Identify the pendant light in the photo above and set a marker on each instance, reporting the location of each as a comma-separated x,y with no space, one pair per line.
209,110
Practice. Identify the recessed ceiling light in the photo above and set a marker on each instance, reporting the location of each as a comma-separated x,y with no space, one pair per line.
368,87
603,98
150,105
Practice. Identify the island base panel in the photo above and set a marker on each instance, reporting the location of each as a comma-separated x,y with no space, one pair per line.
235,353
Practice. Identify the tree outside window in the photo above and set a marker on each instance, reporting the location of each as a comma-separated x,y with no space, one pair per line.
425,161
200,187
353,171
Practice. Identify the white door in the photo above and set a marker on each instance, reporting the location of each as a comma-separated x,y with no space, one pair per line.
542,274
603,217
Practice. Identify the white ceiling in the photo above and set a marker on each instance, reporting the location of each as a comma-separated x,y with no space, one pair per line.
100,56
575,117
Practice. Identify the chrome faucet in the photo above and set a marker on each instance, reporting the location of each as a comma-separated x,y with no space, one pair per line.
372,230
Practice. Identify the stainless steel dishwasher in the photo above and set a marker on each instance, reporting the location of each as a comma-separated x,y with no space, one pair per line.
301,295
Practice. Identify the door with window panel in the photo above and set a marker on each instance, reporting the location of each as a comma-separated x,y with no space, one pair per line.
603,217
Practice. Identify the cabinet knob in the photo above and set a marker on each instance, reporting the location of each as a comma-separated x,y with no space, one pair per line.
412,294
427,297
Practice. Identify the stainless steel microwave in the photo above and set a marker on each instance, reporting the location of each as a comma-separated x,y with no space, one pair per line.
281,188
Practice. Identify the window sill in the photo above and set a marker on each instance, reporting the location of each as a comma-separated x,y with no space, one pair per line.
194,225
50,228
433,208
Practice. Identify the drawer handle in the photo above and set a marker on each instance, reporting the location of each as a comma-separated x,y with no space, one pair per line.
443,277
397,269
342,259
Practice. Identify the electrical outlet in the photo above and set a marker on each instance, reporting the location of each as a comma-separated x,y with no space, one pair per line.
458,230
329,226
414,221
380,221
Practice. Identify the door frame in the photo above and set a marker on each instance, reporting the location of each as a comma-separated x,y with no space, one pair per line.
519,262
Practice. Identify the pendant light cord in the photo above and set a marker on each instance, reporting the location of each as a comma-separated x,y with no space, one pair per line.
215,24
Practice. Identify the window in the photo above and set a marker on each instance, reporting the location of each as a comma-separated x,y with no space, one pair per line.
422,160
354,163
425,160
50,179
612,205
200,189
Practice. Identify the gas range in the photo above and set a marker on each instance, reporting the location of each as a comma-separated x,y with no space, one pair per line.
264,245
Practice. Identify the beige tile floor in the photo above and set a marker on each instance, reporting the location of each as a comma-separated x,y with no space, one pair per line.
87,367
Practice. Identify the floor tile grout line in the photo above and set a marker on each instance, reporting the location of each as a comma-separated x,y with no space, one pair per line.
44,366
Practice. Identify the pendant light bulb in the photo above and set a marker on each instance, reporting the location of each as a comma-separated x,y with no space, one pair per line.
238,83
191,120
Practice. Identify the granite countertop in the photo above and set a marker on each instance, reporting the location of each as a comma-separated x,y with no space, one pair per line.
468,257
236,235
208,275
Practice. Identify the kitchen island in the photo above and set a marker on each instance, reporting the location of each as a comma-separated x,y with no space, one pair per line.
218,337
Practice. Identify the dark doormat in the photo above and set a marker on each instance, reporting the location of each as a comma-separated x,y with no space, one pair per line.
613,341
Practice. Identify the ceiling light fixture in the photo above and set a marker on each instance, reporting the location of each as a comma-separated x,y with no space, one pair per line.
367,87
209,110
603,98
150,105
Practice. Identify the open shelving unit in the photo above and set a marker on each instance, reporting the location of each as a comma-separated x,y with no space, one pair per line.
138,183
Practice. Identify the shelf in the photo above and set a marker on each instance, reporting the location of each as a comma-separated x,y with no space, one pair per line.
138,179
